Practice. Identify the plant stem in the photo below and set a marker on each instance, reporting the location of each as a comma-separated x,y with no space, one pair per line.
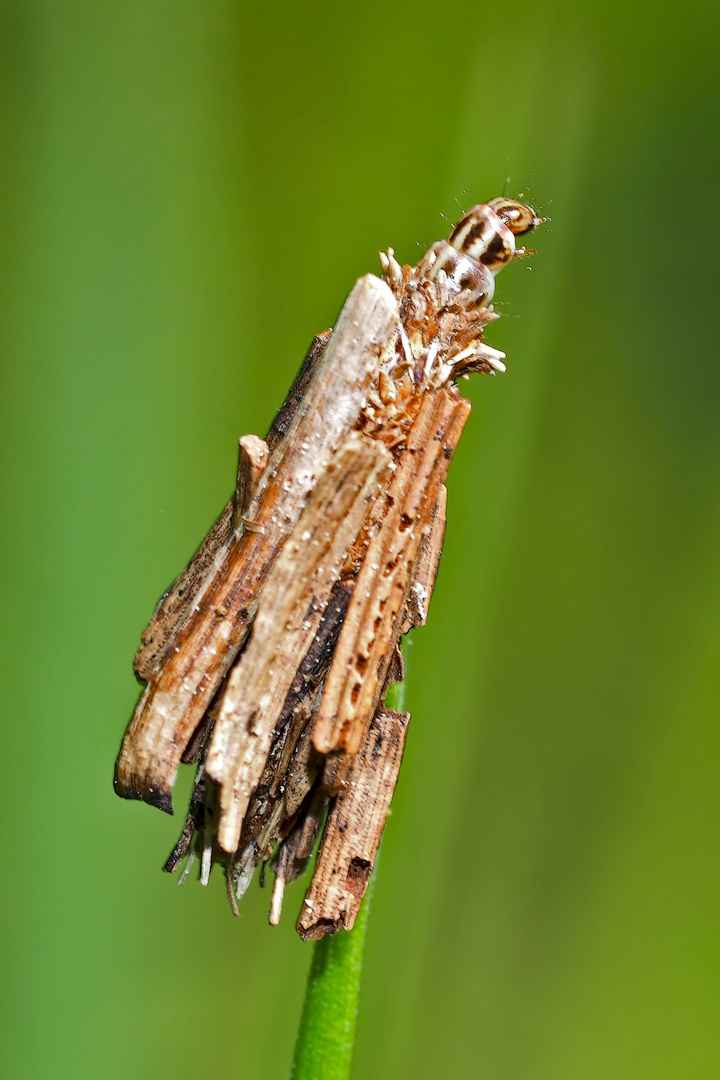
326,1036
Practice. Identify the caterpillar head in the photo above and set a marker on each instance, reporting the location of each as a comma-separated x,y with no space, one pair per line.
487,232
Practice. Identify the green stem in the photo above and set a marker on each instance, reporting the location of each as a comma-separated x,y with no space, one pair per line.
326,1036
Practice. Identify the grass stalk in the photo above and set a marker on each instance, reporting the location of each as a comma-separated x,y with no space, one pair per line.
326,1037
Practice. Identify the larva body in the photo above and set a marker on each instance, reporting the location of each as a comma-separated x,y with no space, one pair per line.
480,245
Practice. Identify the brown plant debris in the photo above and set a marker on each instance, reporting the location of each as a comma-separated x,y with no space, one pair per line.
267,662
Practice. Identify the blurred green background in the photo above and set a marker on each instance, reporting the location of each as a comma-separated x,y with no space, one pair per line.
189,190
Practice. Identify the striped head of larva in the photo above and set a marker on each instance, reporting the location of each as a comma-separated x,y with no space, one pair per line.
518,217
487,232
